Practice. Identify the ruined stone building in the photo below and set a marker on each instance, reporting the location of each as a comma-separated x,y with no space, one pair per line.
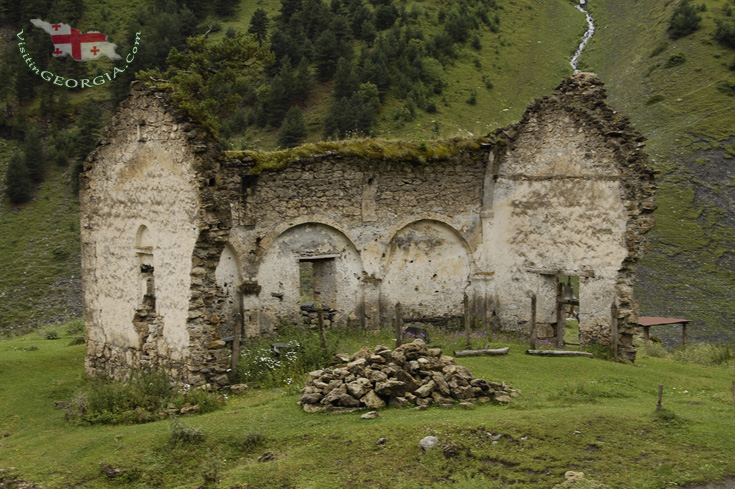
180,239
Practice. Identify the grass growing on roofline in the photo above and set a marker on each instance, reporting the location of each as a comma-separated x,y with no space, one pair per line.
580,414
420,152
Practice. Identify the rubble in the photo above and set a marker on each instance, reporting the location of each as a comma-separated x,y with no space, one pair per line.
412,374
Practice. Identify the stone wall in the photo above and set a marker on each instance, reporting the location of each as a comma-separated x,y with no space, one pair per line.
144,207
178,238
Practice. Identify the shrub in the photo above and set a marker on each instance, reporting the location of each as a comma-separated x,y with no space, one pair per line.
654,99
51,334
249,442
705,354
727,87
183,434
659,49
18,180
145,397
675,59
259,364
684,21
725,34
472,100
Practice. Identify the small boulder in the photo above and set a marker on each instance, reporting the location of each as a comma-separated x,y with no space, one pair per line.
429,443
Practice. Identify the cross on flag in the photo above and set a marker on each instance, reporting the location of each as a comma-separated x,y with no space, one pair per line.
81,47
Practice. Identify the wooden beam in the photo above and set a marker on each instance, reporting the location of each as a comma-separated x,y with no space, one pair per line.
477,353
532,336
398,325
614,329
559,353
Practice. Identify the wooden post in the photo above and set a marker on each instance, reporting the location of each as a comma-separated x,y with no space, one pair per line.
239,328
559,318
684,334
320,324
466,303
646,334
532,337
236,344
660,396
398,325
614,329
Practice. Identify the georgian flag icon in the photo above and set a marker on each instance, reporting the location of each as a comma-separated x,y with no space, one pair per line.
81,47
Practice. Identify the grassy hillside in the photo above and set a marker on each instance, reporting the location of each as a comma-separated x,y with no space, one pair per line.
690,270
679,106
39,246
577,414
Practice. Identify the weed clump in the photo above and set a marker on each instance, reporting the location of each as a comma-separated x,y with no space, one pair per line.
143,398
261,364
182,434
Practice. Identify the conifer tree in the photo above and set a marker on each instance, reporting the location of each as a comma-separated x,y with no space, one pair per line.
226,8
18,180
35,159
303,83
88,126
326,54
345,81
293,130
259,25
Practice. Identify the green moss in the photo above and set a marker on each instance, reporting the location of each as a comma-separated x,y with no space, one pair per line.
411,152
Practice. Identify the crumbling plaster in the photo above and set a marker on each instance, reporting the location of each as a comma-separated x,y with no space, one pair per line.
565,192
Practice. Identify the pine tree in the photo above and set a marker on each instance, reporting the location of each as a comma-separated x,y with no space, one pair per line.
316,17
293,130
326,54
345,81
35,159
302,83
226,8
88,125
288,9
259,25
18,180
368,32
278,101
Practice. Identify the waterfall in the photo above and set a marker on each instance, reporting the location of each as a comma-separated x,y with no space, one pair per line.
590,31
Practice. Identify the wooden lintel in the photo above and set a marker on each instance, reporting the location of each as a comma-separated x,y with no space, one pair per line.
561,271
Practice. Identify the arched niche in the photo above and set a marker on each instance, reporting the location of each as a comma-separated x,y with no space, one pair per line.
308,258
146,275
427,270
228,277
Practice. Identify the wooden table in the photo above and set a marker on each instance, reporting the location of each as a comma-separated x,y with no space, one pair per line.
647,321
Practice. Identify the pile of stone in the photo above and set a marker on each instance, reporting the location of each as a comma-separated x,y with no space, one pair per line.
412,374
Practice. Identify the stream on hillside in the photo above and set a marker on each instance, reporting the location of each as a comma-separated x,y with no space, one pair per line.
587,35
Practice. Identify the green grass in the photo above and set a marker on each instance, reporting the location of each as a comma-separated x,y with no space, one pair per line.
40,252
574,414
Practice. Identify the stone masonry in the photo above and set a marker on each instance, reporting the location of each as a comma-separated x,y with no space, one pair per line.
183,243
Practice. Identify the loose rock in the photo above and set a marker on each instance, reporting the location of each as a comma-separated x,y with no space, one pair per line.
429,442
412,374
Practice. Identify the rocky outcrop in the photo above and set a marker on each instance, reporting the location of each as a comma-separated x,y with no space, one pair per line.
412,374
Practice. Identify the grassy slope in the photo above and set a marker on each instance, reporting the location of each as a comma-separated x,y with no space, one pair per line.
562,422
688,272
40,252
